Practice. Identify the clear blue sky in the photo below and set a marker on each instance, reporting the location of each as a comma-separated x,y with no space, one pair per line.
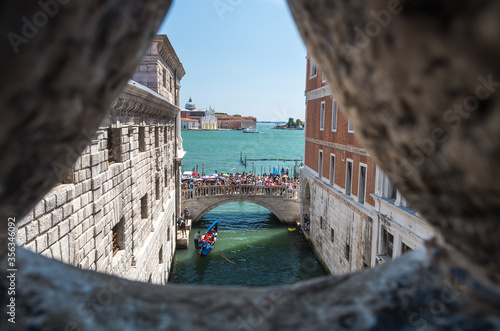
241,56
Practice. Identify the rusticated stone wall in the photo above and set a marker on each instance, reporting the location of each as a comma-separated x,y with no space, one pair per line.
116,212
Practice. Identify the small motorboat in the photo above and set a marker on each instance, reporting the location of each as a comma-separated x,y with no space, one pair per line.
250,130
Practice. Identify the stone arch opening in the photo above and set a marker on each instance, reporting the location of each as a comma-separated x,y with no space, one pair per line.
466,255
219,202
305,200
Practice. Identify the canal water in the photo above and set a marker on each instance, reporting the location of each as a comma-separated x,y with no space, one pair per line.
264,251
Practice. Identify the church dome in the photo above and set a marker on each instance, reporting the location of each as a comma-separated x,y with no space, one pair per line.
190,105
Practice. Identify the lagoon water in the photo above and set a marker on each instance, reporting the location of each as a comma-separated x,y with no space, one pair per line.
264,251
220,150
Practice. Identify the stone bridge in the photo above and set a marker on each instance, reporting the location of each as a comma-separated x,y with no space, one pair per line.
281,201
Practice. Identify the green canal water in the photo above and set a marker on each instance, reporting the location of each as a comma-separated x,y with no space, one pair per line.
264,251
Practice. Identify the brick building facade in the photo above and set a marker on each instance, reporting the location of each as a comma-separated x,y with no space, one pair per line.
229,122
115,208
358,219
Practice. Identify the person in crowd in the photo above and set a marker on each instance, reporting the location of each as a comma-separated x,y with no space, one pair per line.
307,223
182,226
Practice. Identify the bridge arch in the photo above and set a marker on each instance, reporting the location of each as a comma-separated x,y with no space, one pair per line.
221,202
305,198
282,202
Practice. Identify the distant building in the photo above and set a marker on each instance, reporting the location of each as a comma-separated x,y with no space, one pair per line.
189,124
358,219
236,122
209,120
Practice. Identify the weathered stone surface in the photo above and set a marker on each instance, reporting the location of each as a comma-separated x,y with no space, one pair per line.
420,81
397,86
407,294
59,78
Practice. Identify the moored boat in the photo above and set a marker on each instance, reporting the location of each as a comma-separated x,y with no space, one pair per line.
207,241
250,130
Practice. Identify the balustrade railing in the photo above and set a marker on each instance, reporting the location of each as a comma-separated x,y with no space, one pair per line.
242,189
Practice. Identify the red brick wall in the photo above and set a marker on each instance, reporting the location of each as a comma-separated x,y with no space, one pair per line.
340,136
315,82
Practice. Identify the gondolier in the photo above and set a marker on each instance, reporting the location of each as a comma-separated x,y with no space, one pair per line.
197,238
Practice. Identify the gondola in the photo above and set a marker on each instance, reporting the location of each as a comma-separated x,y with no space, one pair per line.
207,241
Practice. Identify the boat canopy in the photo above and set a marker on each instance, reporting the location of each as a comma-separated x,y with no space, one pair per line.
213,224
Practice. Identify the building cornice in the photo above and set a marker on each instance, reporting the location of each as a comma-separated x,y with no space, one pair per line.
352,149
318,93
168,54
137,100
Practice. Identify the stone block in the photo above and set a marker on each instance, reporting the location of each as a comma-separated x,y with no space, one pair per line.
85,161
67,210
45,223
94,147
78,164
64,227
96,195
94,159
70,192
61,196
50,202
89,246
77,204
85,199
99,226
21,236
53,236
78,189
57,216
87,185
64,241
92,257
26,219
85,225
88,210
77,231
56,251
41,243
39,208
98,205
96,183
32,231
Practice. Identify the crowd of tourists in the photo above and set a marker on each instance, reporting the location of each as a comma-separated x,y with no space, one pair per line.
279,179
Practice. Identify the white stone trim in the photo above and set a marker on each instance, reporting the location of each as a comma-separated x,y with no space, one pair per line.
318,93
335,107
320,164
332,173
362,165
312,64
349,123
322,111
350,149
348,160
